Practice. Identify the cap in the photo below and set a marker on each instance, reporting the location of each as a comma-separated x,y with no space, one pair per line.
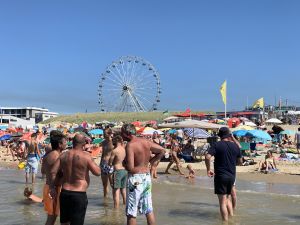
224,132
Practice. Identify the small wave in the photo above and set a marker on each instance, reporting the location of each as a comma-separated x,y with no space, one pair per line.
266,193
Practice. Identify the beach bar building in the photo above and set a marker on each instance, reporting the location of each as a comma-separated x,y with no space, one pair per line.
28,113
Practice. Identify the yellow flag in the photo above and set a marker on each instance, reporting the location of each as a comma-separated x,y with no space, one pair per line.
259,103
223,91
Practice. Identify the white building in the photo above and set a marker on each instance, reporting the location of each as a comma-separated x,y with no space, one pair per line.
12,121
28,113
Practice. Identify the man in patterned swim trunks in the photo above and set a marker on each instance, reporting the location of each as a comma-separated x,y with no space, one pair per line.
138,157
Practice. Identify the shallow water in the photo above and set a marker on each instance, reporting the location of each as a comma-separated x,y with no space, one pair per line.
176,201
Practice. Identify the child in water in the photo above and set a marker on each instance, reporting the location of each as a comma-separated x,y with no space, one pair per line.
28,194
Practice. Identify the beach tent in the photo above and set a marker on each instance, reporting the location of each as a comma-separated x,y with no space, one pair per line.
259,134
3,127
96,132
196,133
192,124
288,132
274,121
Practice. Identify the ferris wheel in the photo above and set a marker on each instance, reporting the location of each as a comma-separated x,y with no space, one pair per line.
129,84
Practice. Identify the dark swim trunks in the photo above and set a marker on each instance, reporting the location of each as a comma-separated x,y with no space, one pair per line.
73,206
223,185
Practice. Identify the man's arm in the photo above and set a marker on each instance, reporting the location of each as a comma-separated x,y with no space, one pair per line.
236,141
210,173
93,167
112,158
158,151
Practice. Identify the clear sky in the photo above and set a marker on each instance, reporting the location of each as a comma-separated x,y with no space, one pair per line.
52,52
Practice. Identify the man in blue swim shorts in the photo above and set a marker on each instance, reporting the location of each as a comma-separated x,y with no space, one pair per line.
138,157
33,157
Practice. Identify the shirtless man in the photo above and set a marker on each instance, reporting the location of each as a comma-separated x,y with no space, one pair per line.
106,170
58,144
138,153
120,173
75,165
33,157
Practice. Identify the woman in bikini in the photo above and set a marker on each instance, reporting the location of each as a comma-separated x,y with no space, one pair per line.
175,148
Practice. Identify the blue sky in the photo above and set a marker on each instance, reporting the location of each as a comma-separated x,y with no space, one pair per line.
52,52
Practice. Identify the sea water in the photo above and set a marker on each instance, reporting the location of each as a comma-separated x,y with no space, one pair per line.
176,201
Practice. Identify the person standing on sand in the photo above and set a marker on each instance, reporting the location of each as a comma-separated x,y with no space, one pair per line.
226,153
138,153
120,173
33,157
106,170
297,140
58,144
75,166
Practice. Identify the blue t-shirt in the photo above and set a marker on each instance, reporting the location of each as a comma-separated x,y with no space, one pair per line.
226,154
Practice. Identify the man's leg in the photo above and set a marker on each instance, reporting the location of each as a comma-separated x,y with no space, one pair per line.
229,205
131,220
233,197
123,193
105,184
116,196
223,207
50,220
26,177
150,218
33,178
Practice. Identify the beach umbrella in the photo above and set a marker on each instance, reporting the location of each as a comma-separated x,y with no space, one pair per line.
137,123
150,132
240,133
27,136
274,121
96,132
173,131
171,118
165,129
259,134
196,133
250,124
97,141
288,132
242,127
5,137
192,124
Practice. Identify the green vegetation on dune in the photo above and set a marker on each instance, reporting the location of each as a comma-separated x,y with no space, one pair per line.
110,116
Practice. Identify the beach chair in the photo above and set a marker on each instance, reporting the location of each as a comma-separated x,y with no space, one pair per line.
245,146
201,151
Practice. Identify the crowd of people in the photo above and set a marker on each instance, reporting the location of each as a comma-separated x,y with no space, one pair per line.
128,163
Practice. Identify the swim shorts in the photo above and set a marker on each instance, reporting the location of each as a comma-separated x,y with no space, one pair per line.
51,206
105,168
139,198
120,179
32,164
223,185
73,206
